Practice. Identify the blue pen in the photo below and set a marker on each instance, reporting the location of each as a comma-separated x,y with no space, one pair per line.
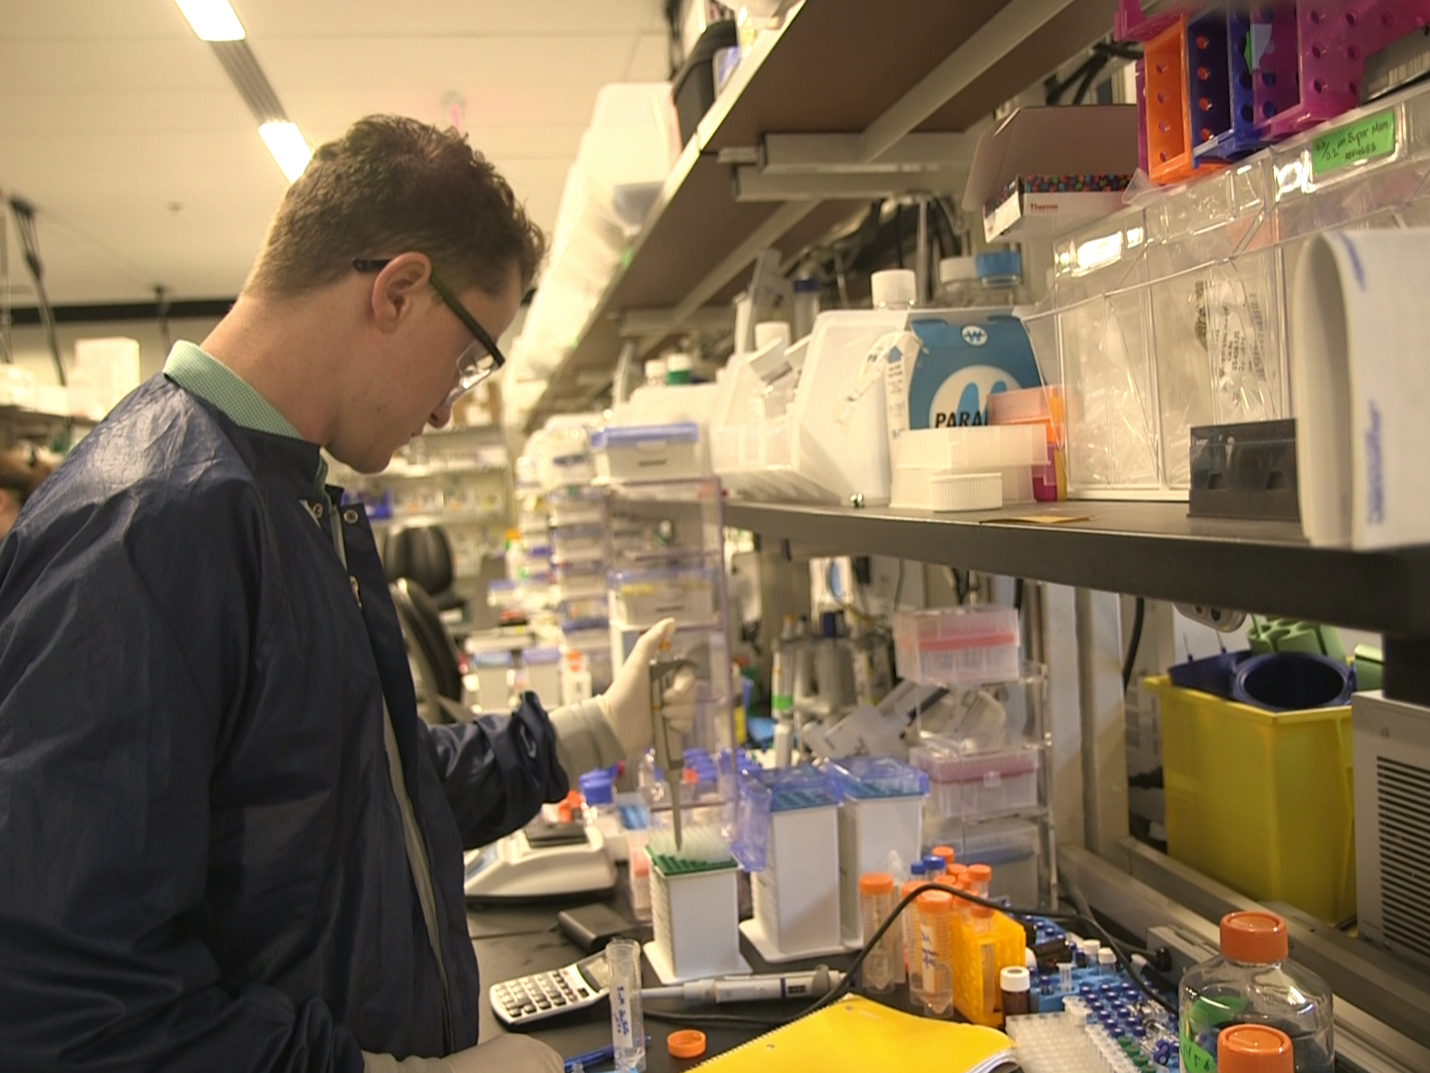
591,1058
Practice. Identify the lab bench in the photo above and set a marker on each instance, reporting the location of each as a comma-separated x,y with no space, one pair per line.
513,940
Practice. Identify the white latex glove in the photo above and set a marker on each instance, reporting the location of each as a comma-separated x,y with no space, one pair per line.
626,705
506,1054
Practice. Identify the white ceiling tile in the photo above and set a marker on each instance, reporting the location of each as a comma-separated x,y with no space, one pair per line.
89,112
650,59
448,63
271,19
110,20
173,66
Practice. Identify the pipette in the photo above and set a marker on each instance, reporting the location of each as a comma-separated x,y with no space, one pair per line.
812,984
671,762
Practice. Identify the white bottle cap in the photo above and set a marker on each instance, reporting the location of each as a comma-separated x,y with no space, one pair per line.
894,289
766,332
953,269
1090,948
679,363
1105,956
655,369
1014,978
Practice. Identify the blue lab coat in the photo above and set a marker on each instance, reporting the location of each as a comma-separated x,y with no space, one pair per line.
202,864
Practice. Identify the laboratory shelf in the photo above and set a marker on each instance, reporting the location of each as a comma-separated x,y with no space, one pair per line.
1144,549
837,67
21,418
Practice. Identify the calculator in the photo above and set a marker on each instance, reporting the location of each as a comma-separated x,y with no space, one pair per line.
546,994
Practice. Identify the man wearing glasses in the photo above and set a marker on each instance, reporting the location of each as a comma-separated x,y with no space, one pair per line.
228,843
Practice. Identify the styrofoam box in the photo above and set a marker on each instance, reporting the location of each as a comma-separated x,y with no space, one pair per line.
978,784
648,452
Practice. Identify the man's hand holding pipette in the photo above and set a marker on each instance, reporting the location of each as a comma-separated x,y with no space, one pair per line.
626,705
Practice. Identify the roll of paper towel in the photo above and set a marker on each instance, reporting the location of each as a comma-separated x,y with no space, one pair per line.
1360,385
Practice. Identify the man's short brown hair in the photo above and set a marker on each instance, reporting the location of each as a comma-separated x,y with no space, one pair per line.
393,185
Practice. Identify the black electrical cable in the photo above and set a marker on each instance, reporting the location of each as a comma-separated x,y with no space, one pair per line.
1134,643
1083,923
899,585
28,235
681,1018
899,233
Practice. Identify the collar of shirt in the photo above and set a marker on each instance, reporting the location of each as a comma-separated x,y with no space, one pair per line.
201,375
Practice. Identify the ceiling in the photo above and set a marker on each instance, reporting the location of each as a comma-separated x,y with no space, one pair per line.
146,168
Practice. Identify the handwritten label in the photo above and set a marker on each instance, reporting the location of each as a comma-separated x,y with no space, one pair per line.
1194,1059
1373,136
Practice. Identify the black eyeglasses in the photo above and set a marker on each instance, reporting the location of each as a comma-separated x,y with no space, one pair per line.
479,360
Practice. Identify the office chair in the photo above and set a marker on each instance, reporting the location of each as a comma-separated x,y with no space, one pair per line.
436,673
422,553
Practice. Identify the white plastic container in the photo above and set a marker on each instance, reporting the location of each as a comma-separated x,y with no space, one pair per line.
837,432
870,830
796,897
929,489
648,452
696,916
957,645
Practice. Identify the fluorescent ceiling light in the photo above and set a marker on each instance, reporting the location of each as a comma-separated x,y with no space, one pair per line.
286,143
212,20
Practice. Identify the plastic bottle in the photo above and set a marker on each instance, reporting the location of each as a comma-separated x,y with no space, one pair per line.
1000,280
913,957
957,282
1252,982
678,368
979,878
933,869
599,794
1254,1049
655,372
876,902
806,306
894,289
936,947
623,958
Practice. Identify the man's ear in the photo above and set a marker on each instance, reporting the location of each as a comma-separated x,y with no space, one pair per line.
397,287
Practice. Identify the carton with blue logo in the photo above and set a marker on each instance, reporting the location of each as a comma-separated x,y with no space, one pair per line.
942,370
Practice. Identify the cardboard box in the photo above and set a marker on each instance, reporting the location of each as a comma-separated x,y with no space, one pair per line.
1043,170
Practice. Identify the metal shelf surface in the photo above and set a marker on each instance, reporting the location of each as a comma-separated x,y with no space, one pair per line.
837,66
1144,549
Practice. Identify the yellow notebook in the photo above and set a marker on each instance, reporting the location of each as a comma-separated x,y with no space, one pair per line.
855,1035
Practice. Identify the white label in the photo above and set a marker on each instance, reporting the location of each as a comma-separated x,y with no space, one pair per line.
621,1017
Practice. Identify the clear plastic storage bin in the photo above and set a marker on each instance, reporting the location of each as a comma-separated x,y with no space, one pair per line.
647,452
976,784
1172,313
644,597
577,543
957,646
